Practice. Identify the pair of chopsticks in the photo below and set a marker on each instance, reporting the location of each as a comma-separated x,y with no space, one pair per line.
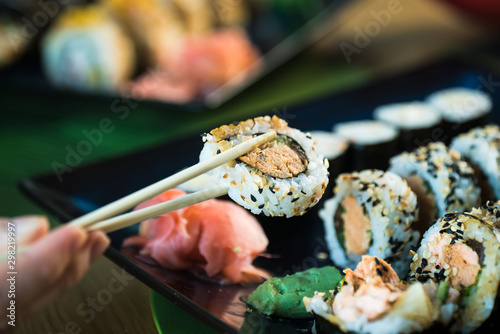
100,219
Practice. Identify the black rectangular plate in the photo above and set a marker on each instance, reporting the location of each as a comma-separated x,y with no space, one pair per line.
296,242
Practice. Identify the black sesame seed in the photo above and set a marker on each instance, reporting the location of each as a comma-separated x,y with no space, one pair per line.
419,270
385,268
379,272
261,206
437,266
445,225
252,197
303,192
497,214
377,261
423,279
295,199
375,202
260,190
290,193
218,151
272,190
424,263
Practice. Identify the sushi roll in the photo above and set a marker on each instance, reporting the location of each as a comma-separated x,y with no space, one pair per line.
156,27
415,121
87,50
441,180
461,109
284,177
462,251
489,211
481,148
334,148
373,299
371,213
371,143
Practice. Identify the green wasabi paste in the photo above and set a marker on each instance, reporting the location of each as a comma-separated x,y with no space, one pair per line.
282,296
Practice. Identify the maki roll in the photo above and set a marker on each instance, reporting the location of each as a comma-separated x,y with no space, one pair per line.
461,109
415,121
489,211
440,179
284,177
372,299
371,213
481,148
334,148
461,253
87,50
372,143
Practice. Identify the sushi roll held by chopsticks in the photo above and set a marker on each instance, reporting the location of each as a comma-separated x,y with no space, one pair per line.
371,213
442,181
284,177
87,50
461,254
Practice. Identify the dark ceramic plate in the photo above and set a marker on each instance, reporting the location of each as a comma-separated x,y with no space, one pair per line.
297,243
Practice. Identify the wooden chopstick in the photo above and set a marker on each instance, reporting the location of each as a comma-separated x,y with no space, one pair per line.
153,211
125,203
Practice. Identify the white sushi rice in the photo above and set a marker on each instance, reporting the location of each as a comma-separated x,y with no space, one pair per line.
366,132
459,105
481,146
262,193
408,116
450,178
391,217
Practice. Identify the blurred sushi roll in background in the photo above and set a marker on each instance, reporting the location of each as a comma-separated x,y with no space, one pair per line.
284,177
414,120
371,213
155,26
442,181
332,147
88,50
481,148
458,262
461,109
373,299
371,143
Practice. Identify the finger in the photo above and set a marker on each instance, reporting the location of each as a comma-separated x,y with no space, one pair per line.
47,259
96,243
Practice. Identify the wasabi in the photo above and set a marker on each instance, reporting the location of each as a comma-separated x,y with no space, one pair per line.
282,296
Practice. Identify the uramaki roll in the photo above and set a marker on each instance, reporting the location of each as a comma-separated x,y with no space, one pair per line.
442,181
87,49
371,213
461,250
481,148
284,177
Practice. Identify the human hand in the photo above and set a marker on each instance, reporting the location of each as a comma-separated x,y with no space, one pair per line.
46,263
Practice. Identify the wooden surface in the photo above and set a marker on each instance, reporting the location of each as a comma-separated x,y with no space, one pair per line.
100,303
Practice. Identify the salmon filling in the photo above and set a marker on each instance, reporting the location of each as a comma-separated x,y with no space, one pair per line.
459,258
427,202
370,290
281,158
353,226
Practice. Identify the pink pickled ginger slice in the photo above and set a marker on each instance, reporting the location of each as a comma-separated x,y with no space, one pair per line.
217,236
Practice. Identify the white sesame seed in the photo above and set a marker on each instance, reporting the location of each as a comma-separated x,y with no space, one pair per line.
454,271
446,266
415,257
447,272
372,265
